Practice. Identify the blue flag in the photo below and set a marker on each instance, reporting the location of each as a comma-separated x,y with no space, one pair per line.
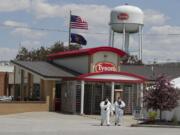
76,38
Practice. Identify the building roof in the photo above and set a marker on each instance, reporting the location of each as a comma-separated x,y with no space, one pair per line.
87,51
151,72
46,69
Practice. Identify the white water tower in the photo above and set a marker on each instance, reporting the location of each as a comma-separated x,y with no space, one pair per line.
127,20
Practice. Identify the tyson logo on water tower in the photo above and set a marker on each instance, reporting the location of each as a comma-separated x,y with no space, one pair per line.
104,66
123,16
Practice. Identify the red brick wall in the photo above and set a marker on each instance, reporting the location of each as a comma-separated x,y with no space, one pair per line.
3,83
23,106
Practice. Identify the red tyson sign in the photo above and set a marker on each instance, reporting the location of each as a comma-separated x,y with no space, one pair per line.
123,16
104,66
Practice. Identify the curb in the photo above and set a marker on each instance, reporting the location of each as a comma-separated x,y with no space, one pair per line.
90,117
154,126
95,118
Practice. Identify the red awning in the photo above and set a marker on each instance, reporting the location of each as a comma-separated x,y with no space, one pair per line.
122,77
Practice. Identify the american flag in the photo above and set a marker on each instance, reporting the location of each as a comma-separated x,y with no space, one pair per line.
78,23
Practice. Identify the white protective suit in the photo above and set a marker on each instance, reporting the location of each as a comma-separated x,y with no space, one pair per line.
119,112
105,112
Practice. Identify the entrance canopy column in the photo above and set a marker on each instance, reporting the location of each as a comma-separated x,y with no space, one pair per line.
112,95
141,99
22,90
82,98
112,92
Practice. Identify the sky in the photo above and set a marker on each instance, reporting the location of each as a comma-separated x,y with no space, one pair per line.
35,23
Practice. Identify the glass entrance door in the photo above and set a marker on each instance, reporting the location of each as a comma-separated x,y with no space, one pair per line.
94,94
92,98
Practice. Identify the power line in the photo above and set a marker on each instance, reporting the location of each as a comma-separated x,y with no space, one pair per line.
46,29
32,28
65,31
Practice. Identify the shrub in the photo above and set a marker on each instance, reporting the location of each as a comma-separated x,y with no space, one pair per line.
174,120
152,115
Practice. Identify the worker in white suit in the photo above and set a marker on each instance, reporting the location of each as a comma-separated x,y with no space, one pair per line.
119,106
105,112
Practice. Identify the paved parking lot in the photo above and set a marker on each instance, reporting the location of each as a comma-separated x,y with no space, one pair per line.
47,123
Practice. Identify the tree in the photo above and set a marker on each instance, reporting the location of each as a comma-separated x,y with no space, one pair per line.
74,47
58,47
162,96
23,53
42,52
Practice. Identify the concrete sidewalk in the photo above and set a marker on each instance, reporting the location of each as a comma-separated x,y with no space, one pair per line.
49,123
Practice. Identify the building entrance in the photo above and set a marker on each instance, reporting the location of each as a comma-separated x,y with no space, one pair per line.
129,93
58,97
118,93
94,94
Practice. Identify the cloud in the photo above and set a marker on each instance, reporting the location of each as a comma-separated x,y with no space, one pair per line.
10,53
14,5
153,17
14,23
7,53
162,43
94,14
97,15
23,30
28,33
43,9
31,44
165,29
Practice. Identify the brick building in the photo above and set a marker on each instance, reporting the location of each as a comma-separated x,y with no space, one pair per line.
3,83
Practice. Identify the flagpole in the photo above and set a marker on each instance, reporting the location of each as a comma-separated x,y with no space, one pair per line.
69,28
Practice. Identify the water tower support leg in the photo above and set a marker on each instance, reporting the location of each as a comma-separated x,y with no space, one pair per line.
140,42
124,37
113,39
127,42
110,37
